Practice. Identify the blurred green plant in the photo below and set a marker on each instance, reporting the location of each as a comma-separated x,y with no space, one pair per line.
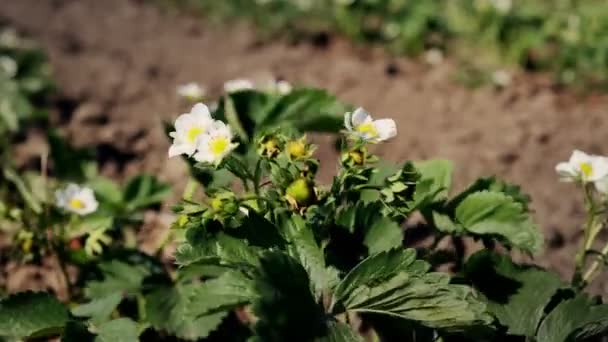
564,37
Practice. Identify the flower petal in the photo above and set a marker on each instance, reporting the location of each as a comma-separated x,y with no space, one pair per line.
578,157
178,149
359,117
347,121
567,171
601,185
201,112
600,168
386,128
183,122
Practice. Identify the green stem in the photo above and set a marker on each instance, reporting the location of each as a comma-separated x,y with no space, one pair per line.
64,269
141,307
590,274
590,233
164,241
190,189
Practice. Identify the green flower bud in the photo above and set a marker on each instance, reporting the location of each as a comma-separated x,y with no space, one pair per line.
269,146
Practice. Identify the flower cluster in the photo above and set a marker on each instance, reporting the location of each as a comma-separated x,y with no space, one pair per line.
585,168
199,136
76,199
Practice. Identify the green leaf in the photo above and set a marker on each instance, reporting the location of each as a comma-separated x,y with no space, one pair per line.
99,310
118,330
384,234
574,320
25,192
31,314
516,295
69,163
305,249
117,277
339,332
307,110
434,182
194,310
286,307
490,184
302,109
496,214
377,268
221,249
75,331
106,190
168,308
394,283
143,191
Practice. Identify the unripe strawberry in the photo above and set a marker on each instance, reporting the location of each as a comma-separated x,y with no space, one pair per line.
300,191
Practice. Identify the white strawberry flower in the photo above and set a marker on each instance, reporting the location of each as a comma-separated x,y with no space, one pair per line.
361,124
501,78
216,144
76,199
189,127
433,56
191,91
8,66
236,85
584,167
502,6
283,87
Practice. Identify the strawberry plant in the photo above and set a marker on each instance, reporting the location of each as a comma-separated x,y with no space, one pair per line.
269,254
264,252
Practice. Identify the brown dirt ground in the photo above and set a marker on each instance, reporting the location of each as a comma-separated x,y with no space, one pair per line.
117,63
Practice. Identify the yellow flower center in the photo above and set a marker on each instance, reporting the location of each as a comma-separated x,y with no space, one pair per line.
219,145
369,129
296,149
75,203
586,169
193,133
217,203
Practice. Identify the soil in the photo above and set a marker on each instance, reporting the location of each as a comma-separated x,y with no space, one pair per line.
117,64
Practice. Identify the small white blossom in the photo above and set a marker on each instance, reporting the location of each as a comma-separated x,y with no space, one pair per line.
283,87
361,124
240,84
244,210
191,91
502,6
9,38
76,199
433,56
584,167
8,66
189,127
501,78
216,144
213,106
279,87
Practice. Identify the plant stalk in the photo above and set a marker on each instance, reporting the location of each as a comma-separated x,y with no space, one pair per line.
590,233
590,273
